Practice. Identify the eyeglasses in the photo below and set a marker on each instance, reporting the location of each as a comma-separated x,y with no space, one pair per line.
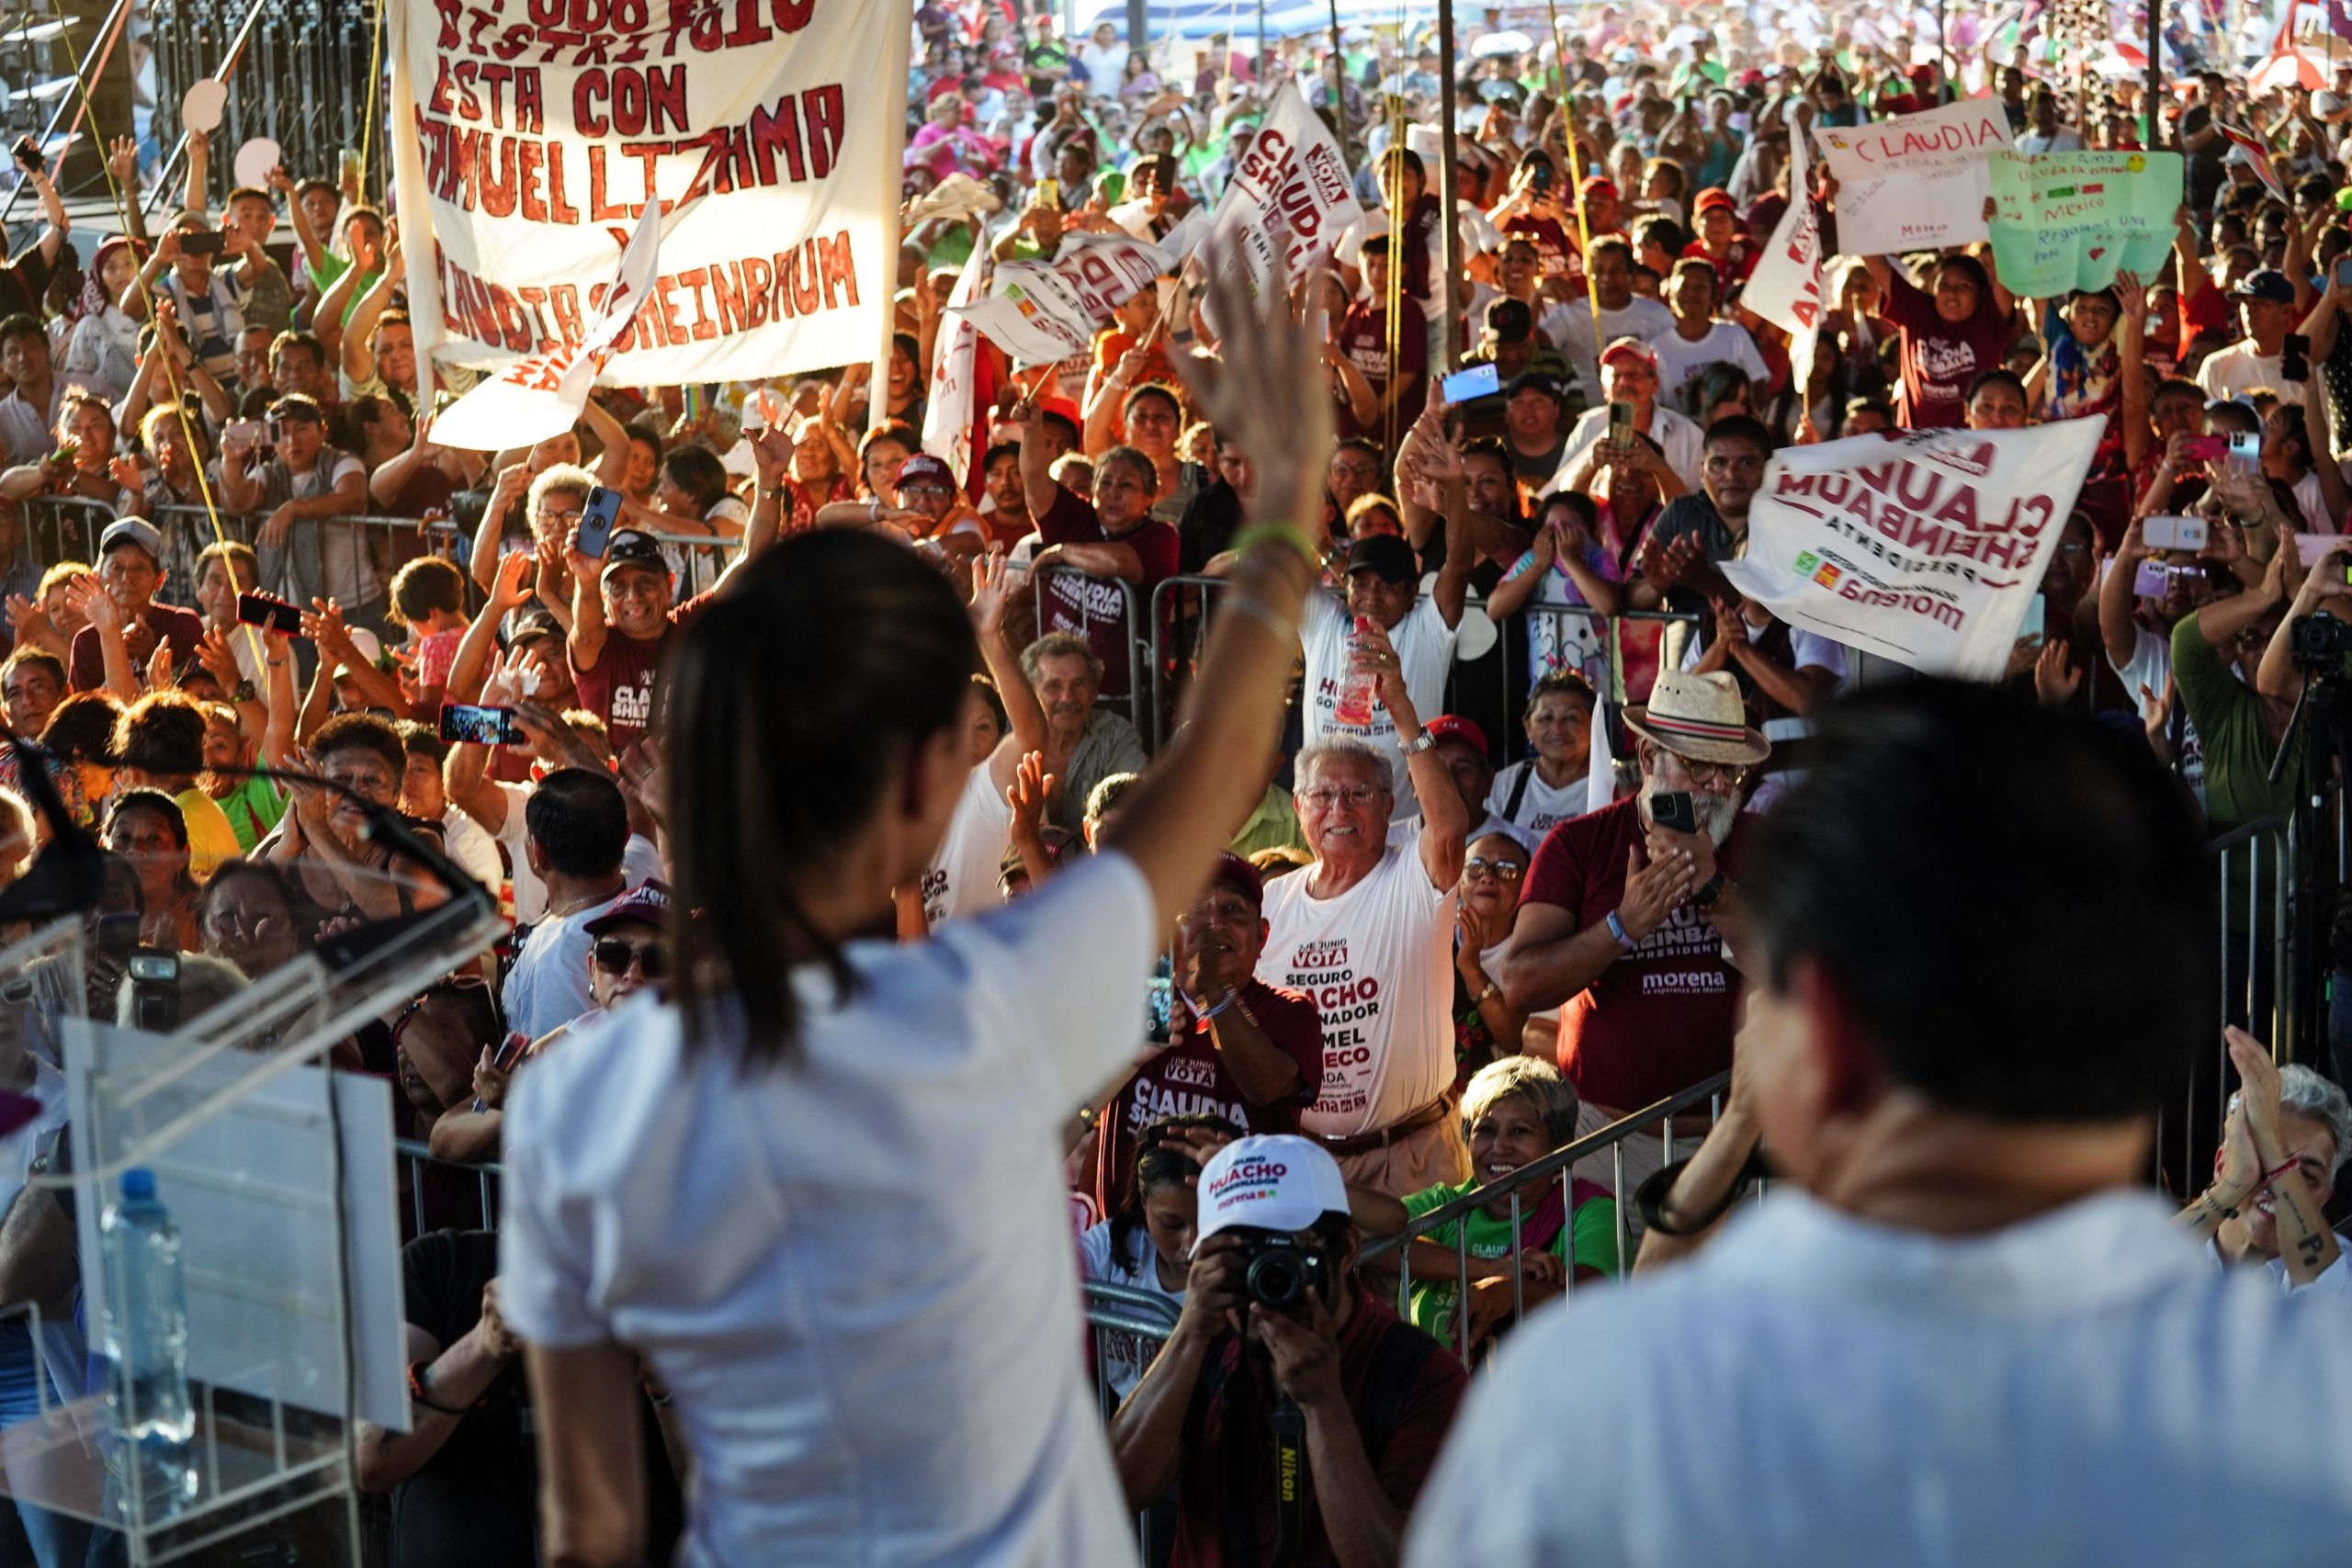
615,956
1731,774
1324,799
556,514
1500,869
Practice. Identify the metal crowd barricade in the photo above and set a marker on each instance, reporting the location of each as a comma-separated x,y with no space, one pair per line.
415,1158
1130,608
188,533
2263,989
1120,1319
1557,1165
1182,608
63,527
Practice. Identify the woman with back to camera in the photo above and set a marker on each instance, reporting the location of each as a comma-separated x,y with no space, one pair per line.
820,1202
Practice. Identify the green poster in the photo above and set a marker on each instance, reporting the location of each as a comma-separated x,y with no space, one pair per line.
2067,220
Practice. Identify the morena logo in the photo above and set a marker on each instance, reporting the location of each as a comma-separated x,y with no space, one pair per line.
1251,1172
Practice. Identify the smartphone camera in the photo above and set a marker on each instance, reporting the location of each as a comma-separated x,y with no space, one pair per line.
597,516
1672,810
155,990
268,610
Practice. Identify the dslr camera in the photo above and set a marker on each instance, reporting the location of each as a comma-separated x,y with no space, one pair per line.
2320,643
1280,1272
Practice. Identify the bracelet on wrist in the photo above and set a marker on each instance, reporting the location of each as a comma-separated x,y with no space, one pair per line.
1617,928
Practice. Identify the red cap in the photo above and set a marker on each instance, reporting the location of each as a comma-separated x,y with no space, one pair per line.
1454,726
1234,872
1594,185
1712,197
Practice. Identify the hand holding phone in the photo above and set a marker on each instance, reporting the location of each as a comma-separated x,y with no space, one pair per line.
464,724
1478,381
26,153
2164,533
1672,810
2294,358
597,516
268,611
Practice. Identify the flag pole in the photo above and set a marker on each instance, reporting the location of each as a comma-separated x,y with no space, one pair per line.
1448,195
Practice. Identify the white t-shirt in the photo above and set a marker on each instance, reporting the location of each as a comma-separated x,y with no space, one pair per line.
2080,1388
472,847
2311,501
1569,326
640,861
2236,370
962,877
1424,644
2151,666
1124,1354
1681,361
1807,650
854,1274
1540,806
2062,140
1680,439
1378,960
548,985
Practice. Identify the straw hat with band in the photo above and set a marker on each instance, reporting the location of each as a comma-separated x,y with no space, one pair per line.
1701,717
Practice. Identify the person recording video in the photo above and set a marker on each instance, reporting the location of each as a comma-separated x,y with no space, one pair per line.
1281,1358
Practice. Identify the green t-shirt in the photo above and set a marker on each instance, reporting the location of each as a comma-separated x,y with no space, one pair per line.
331,267
1593,1226
2227,714
253,808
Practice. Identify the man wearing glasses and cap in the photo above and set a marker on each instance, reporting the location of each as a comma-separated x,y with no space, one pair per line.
1618,918
131,568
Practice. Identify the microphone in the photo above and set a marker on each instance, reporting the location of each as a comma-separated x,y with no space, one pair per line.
390,828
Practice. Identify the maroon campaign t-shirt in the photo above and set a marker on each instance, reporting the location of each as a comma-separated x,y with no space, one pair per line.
1363,338
1659,1019
1554,252
1097,611
183,630
622,686
1940,358
1190,1078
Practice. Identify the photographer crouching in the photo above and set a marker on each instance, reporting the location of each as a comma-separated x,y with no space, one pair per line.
1293,1412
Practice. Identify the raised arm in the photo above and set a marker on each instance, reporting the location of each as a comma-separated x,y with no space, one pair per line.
357,358
1189,803
314,250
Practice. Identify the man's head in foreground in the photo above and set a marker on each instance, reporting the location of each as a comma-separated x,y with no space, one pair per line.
1980,939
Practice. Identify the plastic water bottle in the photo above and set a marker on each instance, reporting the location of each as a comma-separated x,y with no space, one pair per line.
1357,684
144,1335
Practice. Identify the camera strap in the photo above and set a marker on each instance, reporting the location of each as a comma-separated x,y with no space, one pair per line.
1289,1424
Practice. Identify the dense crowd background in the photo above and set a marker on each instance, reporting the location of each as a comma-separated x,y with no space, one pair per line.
1454,935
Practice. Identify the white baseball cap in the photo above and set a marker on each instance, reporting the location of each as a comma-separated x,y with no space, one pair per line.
1276,1182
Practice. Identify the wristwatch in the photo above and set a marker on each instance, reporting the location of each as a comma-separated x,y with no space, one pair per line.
1709,893
1417,744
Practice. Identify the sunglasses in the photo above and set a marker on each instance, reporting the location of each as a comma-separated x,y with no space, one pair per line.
614,956
1500,869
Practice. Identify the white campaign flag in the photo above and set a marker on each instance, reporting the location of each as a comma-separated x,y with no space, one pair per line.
1290,194
1915,182
955,370
767,135
1042,312
1921,546
544,394
1786,287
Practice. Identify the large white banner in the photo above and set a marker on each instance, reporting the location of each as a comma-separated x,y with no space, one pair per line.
1920,546
1915,182
539,130
542,395
1290,195
1042,312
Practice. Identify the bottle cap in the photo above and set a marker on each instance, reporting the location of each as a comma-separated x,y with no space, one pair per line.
139,1183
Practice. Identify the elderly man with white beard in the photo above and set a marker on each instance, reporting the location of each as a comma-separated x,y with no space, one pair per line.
1618,921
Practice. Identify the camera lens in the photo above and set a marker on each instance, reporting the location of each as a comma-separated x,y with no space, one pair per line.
1277,1280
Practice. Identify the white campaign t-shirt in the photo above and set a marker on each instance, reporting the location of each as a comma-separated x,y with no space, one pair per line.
1540,806
2082,1388
1568,323
962,877
1681,361
1424,644
853,1273
1378,960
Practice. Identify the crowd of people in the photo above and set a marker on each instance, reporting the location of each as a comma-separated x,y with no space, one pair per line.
1493,847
